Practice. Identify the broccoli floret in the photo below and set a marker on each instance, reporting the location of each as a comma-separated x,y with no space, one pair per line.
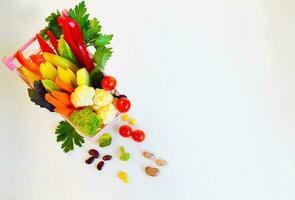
86,120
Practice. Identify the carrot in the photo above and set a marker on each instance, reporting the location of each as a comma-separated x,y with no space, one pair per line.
64,86
64,111
62,97
49,98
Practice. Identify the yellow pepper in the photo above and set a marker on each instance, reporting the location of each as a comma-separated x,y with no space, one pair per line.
59,61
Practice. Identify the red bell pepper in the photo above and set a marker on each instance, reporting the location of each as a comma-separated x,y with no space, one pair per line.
78,38
37,59
52,39
69,39
26,63
44,45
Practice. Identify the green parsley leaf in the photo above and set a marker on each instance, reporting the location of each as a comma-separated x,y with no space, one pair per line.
52,24
102,55
68,135
79,14
90,33
103,40
37,95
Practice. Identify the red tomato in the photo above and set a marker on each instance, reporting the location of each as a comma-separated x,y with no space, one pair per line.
138,135
108,83
125,130
123,105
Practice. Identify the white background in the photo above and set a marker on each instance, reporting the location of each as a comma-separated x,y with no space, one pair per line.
211,82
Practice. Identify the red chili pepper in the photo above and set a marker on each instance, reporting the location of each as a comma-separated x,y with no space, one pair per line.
78,38
37,59
26,63
53,39
44,45
69,39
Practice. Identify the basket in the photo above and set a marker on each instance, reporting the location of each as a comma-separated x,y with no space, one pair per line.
9,61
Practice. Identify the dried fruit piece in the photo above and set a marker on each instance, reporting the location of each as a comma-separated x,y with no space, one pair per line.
100,165
94,153
123,176
152,171
148,155
89,160
161,162
107,157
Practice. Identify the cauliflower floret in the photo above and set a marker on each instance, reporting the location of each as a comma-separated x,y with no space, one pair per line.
107,113
101,98
82,96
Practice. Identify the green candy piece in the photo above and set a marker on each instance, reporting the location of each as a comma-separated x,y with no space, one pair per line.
105,140
65,51
124,155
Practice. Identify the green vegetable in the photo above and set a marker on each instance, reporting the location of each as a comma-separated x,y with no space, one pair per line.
37,96
65,51
49,85
86,120
67,134
91,32
105,140
103,40
102,55
52,25
79,14
95,77
124,156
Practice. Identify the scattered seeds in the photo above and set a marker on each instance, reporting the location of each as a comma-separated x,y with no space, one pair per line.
148,155
123,176
90,160
161,162
94,153
100,165
107,157
152,171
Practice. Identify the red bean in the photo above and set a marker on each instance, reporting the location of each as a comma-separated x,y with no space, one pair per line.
90,160
94,153
107,157
100,165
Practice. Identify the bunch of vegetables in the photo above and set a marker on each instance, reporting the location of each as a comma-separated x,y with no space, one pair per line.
66,78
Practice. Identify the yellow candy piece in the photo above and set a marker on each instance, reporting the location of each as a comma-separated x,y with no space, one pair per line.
132,121
123,176
125,117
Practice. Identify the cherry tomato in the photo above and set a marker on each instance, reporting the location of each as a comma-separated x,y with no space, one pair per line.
125,130
108,83
123,105
138,135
